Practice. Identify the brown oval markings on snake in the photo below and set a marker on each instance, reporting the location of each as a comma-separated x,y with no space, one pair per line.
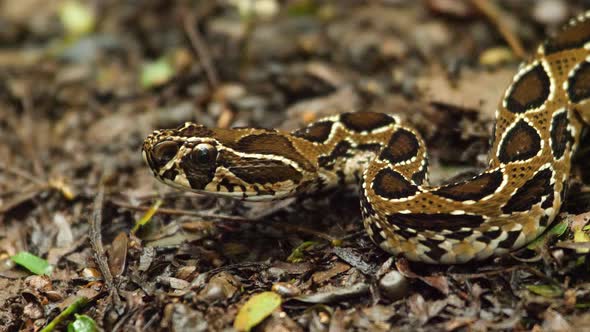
578,86
571,36
521,142
559,134
473,189
436,221
272,144
530,91
390,184
365,121
531,193
402,146
258,171
317,132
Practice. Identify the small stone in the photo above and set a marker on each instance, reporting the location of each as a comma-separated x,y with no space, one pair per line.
175,282
38,282
91,273
220,287
53,296
33,311
276,272
394,285
550,12
285,289
495,56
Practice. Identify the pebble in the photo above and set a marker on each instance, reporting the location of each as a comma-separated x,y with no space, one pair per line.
286,289
394,285
551,12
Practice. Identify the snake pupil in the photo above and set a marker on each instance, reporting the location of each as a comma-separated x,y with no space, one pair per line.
204,153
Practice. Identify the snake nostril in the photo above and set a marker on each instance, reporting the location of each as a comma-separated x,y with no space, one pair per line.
164,151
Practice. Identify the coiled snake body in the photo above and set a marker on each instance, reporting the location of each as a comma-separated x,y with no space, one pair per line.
538,125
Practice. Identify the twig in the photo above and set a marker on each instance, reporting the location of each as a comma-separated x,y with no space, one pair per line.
487,8
305,230
22,174
501,271
177,212
96,243
190,23
23,196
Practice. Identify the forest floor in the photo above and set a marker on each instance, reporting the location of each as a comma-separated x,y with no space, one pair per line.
83,83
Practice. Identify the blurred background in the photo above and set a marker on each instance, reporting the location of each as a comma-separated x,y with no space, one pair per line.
82,83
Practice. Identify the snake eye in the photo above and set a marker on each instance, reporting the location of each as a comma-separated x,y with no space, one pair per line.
204,153
164,151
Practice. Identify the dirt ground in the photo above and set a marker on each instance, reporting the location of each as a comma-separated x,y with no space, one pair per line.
83,83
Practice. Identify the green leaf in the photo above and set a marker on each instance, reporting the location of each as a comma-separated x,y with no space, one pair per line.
298,253
156,73
256,309
77,18
72,308
82,323
559,229
556,231
545,290
32,263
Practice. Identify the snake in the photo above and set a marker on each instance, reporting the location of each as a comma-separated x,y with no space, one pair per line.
538,124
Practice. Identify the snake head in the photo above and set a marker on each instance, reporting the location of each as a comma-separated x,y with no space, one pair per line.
186,157
248,164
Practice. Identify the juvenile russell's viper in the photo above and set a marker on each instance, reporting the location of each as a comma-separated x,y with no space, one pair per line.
538,125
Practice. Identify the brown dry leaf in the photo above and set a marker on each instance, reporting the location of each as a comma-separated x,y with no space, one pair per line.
221,286
355,259
482,96
118,254
454,8
580,220
423,310
555,322
335,295
336,269
439,282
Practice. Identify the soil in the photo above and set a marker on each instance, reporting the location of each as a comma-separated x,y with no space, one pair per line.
78,98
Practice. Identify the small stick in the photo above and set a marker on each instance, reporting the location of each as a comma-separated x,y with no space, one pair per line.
493,14
22,174
177,212
190,22
96,243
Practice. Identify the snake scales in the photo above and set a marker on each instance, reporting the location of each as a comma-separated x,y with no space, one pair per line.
538,126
